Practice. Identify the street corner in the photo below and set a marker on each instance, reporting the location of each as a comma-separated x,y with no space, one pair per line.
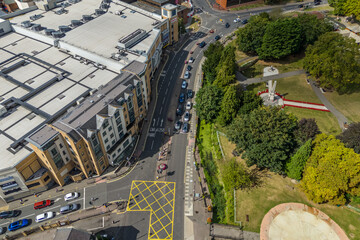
158,197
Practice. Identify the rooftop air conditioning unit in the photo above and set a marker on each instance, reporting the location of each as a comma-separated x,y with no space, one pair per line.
76,23
107,1
49,32
118,12
57,34
26,24
64,29
104,6
36,27
99,12
87,18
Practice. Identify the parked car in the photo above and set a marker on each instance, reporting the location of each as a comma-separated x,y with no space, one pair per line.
217,37
186,116
301,6
191,52
202,44
227,25
244,21
44,216
184,84
211,31
188,105
177,125
186,75
181,98
69,208
2,230
190,93
9,214
71,196
191,60
19,224
42,204
188,67
185,128
179,110
163,166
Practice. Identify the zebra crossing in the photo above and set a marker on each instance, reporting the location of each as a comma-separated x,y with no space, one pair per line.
189,183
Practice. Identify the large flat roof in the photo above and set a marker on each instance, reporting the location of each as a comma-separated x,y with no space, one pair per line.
33,93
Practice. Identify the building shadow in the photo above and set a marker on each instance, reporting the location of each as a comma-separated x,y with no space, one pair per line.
119,233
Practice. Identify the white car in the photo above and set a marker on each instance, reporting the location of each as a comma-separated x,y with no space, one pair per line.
188,105
186,75
44,216
184,84
71,196
187,117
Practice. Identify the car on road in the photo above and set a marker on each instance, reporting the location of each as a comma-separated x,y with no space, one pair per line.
184,84
227,25
179,110
9,214
191,60
19,224
190,93
202,44
69,208
217,37
185,128
178,125
188,105
163,166
244,21
2,230
71,196
186,116
44,216
189,67
42,204
181,98
186,75
191,52
301,6
211,31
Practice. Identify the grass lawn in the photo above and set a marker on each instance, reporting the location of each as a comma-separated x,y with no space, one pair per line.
319,8
273,190
250,6
238,54
347,104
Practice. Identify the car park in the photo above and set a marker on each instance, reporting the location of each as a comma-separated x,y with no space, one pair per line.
186,116
189,67
44,216
69,208
191,60
9,214
188,105
186,75
179,110
184,84
42,204
190,93
202,44
185,128
178,125
217,37
71,196
181,98
19,224
227,25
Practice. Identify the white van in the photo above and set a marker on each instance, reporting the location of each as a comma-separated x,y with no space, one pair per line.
44,216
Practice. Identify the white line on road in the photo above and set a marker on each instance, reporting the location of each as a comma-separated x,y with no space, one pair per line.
75,200
169,83
163,101
152,144
160,110
4,223
154,122
166,91
29,215
45,210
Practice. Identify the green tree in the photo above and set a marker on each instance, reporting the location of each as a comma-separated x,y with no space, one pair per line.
208,100
331,171
307,129
351,137
282,38
267,136
334,61
295,168
226,69
213,55
250,38
313,27
230,105
249,102
235,176
352,7
339,6
181,26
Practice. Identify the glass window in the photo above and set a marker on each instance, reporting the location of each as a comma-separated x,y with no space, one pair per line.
113,141
126,143
46,178
106,123
117,114
101,162
110,128
107,147
118,121
113,155
60,145
64,153
106,140
111,135
53,151
104,133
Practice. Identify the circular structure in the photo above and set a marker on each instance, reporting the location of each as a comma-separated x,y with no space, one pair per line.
297,221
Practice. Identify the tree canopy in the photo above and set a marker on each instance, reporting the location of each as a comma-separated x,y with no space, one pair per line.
351,137
346,7
235,175
225,71
208,100
213,55
230,105
295,168
331,171
267,136
313,27
335,61
307,129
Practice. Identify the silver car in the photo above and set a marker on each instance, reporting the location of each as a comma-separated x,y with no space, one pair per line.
69,208
187,116
187,75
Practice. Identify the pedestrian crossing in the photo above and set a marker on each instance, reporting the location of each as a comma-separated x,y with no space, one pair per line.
189,183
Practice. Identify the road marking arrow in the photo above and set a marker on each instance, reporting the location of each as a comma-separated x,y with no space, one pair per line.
57,199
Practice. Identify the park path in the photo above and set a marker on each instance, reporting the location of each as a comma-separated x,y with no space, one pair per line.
249,81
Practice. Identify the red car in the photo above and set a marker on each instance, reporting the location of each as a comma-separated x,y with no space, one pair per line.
42,204
211,31
163,166
191,52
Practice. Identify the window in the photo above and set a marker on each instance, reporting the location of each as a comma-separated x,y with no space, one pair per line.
79,146
46,178
106,140
110,128
111,135
113,141
126,143
67,159
87,166
33,185
64,153
117,114
119,150
103,167
53,151
120,129
101,162
60,145
82,153
106,123
107,147
118,121
104,134
113,155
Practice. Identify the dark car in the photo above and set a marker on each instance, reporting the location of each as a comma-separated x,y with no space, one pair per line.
190,93
9,214
18,224
177,125
189,68
301,5
182,98
185,127
217,37
202,44
2,230
179,110
227,25
244,21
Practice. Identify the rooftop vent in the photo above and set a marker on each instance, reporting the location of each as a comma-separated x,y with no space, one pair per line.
31,116
30,82
76,23
104,6
78,102
123,16
87,18
61,96
93,91
65,4
26,24
64,29
73,1
132,11
61,11
36,17
118,12
132,38
99,12
48,32
57,34
107,1
34,52
36,27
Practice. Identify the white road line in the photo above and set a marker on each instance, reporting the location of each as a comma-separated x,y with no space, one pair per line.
163,101
4,223
75,200
45,210
169,83
154,122
166,90
29,215
160,110
152,144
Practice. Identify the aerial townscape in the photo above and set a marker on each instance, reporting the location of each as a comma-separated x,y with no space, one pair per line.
180,119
